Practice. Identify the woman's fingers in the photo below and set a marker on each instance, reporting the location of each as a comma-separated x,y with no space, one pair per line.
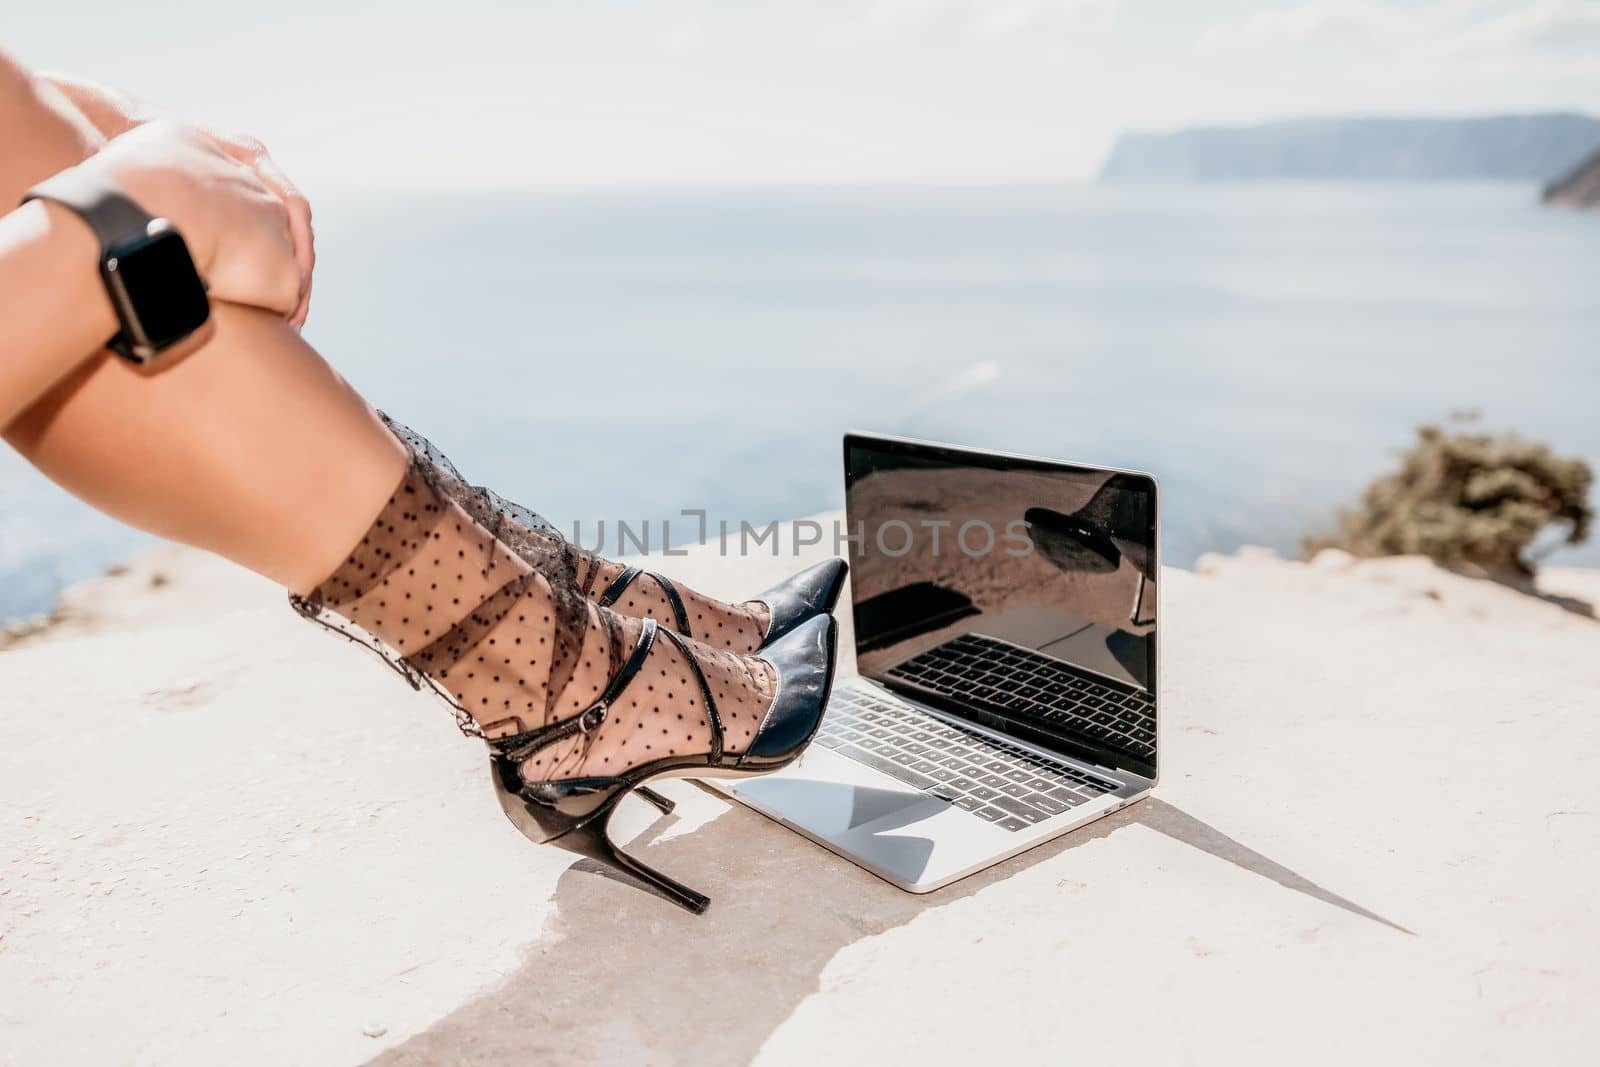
259,266
235,221
300,232
254,154
275,283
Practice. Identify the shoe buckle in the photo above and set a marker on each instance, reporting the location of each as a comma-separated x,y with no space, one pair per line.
591,719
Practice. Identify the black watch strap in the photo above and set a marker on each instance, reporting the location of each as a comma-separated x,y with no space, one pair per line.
99,201
123,229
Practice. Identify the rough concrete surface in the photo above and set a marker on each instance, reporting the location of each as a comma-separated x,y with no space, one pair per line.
226,836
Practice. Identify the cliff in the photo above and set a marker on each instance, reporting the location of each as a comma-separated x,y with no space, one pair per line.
1501,147
231,837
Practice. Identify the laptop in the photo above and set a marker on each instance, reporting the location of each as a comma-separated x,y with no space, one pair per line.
1005,615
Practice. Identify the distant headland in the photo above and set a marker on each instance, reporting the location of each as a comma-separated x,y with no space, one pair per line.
1499,147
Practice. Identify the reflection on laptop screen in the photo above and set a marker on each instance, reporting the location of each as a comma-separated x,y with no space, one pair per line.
1015,593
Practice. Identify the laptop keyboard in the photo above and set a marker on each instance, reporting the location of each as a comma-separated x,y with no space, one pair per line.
1003,676
998,782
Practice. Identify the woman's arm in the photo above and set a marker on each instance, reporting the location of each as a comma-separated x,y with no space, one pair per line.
52,319
39,128
55,308
113,114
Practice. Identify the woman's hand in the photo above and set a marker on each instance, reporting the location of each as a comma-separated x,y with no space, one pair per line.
253,154
114,114
236,226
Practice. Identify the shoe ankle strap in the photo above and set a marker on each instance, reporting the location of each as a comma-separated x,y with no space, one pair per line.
713,717
520,746
620,583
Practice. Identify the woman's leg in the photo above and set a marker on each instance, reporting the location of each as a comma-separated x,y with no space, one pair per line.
200,453
142,448
254,448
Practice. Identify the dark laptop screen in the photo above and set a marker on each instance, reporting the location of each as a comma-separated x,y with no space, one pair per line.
1016,593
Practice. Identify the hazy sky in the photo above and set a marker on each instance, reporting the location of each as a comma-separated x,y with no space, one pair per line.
458,92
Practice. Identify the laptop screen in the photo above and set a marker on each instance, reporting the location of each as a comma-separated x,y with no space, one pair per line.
1019,594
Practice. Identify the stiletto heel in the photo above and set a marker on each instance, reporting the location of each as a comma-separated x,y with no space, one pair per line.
537,810
590,840
573,813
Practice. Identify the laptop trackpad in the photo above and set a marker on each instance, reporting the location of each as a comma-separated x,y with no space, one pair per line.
833,807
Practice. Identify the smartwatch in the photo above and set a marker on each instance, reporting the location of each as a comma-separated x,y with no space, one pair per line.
157,293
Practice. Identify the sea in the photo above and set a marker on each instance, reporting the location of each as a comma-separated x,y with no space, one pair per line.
629,354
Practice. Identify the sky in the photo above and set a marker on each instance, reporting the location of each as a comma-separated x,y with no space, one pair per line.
474,93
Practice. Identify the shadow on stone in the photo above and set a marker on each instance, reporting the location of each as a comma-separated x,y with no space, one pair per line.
625,977
1526,584
1576,605
1162,817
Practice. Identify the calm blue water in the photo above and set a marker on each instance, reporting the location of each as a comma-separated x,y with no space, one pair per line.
1262,348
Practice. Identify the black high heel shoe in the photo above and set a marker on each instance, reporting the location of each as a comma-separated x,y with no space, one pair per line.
573,813
813,591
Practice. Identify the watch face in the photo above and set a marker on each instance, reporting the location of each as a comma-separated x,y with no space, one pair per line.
164,296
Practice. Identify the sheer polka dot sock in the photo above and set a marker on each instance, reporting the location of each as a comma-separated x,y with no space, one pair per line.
735,627
515,651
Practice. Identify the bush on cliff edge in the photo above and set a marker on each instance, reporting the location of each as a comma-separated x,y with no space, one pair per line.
1474,498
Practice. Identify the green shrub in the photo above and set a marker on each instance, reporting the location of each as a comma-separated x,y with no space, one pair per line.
1468,498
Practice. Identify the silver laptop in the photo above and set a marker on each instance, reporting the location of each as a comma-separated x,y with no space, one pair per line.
1005,643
